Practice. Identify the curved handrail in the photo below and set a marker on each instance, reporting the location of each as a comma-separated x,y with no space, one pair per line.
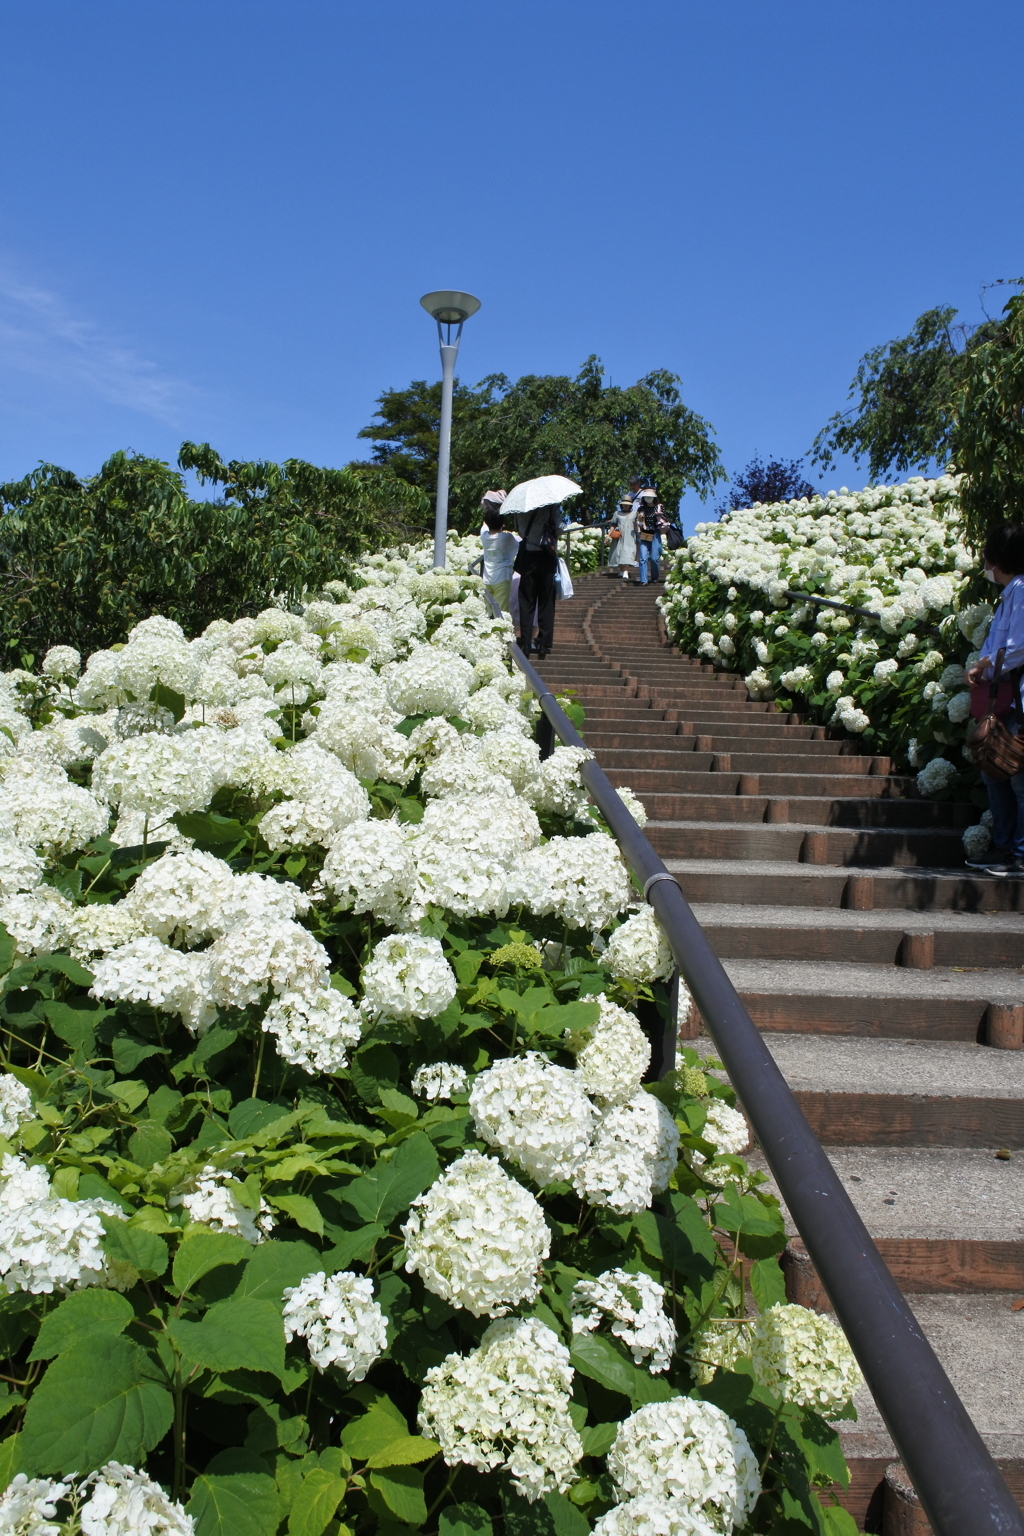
960,1487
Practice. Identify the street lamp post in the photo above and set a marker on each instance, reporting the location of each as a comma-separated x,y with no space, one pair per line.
448,309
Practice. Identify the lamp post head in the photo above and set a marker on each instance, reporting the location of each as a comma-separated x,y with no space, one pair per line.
449,307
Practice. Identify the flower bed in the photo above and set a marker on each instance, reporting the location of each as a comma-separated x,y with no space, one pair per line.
333,1197
896,681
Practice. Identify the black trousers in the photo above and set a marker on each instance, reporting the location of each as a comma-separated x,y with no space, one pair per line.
537,569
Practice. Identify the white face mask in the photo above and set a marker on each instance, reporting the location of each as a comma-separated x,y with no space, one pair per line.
989,574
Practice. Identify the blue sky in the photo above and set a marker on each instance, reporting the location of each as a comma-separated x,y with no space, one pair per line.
216,219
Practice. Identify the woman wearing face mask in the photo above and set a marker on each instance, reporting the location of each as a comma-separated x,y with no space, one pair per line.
1004,565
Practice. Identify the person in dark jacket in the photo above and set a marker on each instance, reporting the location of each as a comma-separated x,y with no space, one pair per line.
537,562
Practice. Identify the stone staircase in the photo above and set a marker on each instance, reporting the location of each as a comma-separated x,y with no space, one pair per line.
886,975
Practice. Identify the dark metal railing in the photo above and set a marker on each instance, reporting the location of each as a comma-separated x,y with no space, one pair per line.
960,1487
829,602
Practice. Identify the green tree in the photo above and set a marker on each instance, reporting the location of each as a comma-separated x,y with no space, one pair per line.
81,561
903,417
596,434
988,438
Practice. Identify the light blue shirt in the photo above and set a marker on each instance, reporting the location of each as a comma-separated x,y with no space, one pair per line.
1007,627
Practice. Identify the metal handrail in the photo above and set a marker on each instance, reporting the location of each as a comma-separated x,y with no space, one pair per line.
829,602
959,1485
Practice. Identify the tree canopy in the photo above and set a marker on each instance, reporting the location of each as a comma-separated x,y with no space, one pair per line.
597,434
945,390
778,480
81,561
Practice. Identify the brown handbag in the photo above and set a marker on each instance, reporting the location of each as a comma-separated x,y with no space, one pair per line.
995,749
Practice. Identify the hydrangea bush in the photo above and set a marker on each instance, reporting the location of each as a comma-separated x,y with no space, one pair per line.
335,1195
895,682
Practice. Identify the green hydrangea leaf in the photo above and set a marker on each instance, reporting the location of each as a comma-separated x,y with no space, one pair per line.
303,1211
228,1503
599,1358
768,1283
97,1402
81,1317
201,1251
126,1243
238,1334
275,1266
315,1502
401,1488
464,1520
392,1186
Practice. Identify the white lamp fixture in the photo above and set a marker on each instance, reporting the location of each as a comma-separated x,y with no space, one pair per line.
449,308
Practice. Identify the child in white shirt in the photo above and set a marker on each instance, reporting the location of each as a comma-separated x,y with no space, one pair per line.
499,554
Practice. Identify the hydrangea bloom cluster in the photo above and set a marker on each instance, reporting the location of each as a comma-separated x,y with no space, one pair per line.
408,978
342,1324
728,1132
477,1238
804,1357
213,1201
638,950
439,1080
690,1456
15,1105
582,881
115,1501
632,1157
536,1114
613,1055
896,551
506,1404
47,1243
635,1306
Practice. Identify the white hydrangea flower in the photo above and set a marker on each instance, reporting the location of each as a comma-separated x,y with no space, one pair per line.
959,707
153,773
341,1322
432,681
370,868
935,777
558,787
146,971
976,840
688,1452
797,679
536,1114
62,662
884,669
38,921
123,1502
477,1238
16,1105
96,928
649,1516
28,1506
458,873
408,977
48,1244
512,756
728,1132
613,1055
804,1358
632,1157
720,1343
635,1304
314,1031
638,950
506,1404
438,1080
759,686
634,805
211,1201
20,868
580,880
44,811
265,952
296,824
291,666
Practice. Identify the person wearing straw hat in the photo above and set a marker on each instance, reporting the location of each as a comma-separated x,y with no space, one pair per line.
651,521
499,546
623,536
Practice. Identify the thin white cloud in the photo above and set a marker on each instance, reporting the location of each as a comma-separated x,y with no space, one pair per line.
40,336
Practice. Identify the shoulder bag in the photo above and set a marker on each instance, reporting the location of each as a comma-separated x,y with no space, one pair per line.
996,750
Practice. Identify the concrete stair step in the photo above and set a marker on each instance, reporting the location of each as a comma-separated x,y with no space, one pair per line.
740,762
906,1093
936,847
765,881
808,810
863,938
876,1002
773,786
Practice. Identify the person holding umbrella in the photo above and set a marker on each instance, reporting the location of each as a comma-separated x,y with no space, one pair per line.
536,506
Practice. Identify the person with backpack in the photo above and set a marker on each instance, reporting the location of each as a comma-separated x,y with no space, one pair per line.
651,523
1003,650
536,562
